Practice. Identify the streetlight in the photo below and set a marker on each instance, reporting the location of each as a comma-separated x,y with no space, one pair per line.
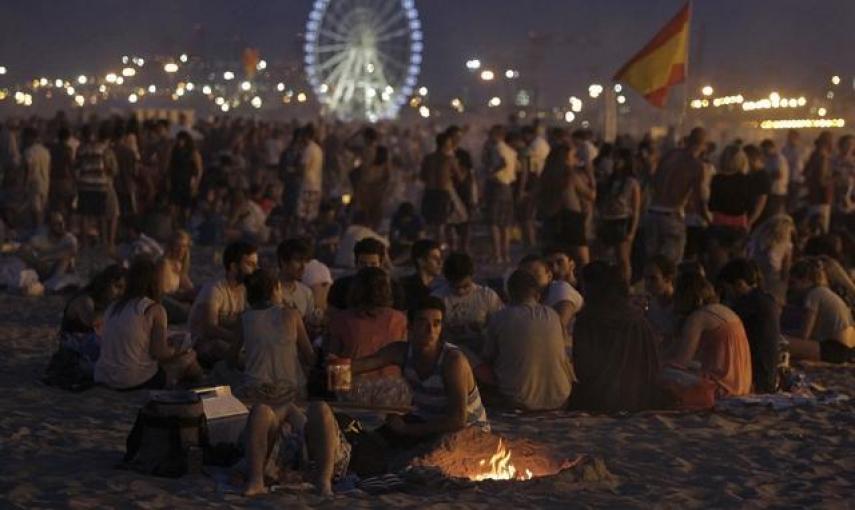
595,90
707,90
835,80
423,91
494,102
487,75
171,67
511,74
473,64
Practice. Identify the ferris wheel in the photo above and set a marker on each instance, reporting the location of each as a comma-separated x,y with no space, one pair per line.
363,56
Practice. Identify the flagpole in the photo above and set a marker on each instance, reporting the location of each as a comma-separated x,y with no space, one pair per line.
684,106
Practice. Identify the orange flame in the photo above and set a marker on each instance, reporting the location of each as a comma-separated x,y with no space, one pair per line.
500,467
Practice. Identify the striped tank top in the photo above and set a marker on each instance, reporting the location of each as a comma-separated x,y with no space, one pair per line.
429,399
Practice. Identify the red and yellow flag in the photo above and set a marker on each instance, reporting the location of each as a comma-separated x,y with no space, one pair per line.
662,63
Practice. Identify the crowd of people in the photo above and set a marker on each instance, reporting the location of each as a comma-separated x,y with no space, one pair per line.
639,274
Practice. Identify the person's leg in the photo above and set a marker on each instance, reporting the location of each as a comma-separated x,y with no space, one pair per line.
622,252
804,349
262,427
495,236
322,439
651,236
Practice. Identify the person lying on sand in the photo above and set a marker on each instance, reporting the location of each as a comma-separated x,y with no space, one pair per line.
445,397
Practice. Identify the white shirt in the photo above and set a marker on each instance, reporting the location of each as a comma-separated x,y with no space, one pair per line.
508,173
538,151
300,298
125,360
795,161
228,303
778,163
313,164
37,158
560,291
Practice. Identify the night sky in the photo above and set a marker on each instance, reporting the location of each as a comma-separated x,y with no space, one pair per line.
789,45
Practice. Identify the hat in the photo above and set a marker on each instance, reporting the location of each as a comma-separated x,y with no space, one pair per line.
316,273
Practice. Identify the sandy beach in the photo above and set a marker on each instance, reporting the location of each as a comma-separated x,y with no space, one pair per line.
59,450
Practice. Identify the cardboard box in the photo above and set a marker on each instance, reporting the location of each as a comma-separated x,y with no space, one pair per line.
225,414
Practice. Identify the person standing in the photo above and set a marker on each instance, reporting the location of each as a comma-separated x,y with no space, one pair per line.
621,210
63,188
312,183
500,164
465,186
819,182
679,176
438,172
36,159
95,163
792,152
185,172
778,168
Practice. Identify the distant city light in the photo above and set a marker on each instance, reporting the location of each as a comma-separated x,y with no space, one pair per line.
183,57
128,72
133,98
457,104
224,107
119,80
57,83
79,100
301,97
835,80
822,112
3,70
228,76
569,117
424,111
171,67
82,79
70,91
423,91
206,90
219,101
575,104
494,102
707,90
245,86
802,123
594,90
152,88
111,78
618,88
487,75
621,99
262,65
512,74
190,86
256,102
280,86
473,64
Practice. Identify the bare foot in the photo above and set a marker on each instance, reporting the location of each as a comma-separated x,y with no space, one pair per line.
324,489
254,489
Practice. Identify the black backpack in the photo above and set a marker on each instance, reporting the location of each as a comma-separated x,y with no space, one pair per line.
169,436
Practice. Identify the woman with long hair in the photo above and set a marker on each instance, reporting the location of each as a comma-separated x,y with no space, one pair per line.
178,290
369,323
563,187
620,210
711,357
135,350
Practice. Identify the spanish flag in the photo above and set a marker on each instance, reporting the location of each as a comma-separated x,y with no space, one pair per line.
662,63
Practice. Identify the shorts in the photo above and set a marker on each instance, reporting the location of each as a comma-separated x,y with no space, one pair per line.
309,204
832,351
92,202
436,206
499,204
613,232
566,228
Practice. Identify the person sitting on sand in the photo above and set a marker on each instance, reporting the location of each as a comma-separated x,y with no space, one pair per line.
368,252
712,348
277,349
426,257
525,347
828,331
659,275
51,252
468,304
615,350
135,351
369,323
215,312
73,365
178,290
292,255
445,400
556,294
760,314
